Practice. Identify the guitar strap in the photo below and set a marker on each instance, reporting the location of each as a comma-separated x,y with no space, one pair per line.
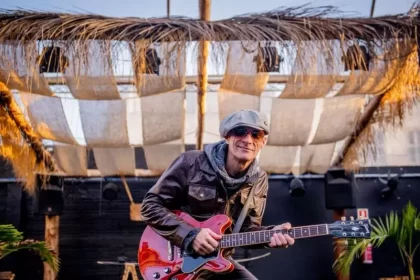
244,211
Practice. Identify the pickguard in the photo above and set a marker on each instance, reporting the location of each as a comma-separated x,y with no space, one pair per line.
193,262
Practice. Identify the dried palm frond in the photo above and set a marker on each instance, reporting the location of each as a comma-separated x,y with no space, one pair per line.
20,145
395,104
293,24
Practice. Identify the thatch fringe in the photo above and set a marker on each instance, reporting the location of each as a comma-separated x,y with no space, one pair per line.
396,103
294,24
20,145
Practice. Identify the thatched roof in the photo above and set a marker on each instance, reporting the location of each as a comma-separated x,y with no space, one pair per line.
292,24
308,119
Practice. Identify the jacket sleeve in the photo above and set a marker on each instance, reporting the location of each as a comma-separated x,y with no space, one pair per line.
164,197
254,219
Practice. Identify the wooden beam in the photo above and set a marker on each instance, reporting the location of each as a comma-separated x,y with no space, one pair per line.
204,47
360,126
211,79
52,225
96,173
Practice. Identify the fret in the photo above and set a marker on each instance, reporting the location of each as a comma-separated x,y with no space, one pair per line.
305,231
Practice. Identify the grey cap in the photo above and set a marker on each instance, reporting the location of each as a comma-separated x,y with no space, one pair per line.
248,118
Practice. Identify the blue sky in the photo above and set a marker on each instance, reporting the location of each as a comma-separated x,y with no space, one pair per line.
220,8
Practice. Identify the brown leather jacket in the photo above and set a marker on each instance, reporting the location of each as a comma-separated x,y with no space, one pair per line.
191,185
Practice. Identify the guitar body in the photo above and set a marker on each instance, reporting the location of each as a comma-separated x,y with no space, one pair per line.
159,259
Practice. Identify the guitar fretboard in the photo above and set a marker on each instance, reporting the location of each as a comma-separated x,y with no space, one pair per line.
260,237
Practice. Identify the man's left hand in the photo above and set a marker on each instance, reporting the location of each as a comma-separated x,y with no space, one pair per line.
279,239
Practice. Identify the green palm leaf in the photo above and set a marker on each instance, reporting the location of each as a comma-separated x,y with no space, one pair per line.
400,229
41,248
11,240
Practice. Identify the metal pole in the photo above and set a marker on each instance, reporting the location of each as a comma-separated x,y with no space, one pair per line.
372,8
168,8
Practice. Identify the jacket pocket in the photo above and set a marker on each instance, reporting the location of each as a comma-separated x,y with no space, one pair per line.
202,199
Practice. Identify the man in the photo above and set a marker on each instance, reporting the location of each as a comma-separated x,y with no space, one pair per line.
214,181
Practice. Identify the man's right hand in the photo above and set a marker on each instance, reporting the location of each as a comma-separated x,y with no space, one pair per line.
206,241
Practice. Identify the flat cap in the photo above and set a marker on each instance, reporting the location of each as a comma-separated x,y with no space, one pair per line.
248,118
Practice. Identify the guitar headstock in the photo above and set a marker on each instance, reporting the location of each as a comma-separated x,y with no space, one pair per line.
350,229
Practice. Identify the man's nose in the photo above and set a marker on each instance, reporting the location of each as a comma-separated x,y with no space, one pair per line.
248,138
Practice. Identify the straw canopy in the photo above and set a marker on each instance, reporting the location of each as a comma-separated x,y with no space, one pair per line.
330,65
292,24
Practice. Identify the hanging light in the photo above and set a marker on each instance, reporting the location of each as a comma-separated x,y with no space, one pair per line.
52,60
152,62
110,191
297,187
357,57
391,185
49,200
268,59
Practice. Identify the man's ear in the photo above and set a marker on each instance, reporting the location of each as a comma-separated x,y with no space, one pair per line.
265,141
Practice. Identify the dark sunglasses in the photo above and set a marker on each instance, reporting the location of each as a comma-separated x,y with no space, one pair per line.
244,131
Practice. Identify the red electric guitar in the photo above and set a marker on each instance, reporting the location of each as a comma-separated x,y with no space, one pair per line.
159,259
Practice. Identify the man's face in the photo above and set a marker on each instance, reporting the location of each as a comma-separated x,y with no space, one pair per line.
245,142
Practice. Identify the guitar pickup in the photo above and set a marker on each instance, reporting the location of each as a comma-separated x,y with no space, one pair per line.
170,251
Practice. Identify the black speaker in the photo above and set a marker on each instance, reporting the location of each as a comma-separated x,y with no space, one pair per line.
50,199
339,190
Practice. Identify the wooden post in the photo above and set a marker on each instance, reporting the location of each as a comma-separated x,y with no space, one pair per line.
204,6
52,224
337,215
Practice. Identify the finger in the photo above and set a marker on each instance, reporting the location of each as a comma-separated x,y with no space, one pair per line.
289,240
286,226
215,235
212,242
199,250
207,247
272,242
202,252
277,241
281,239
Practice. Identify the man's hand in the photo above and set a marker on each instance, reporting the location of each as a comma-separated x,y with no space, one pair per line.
206,241
279,239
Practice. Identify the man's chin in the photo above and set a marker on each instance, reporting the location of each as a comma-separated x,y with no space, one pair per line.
245,157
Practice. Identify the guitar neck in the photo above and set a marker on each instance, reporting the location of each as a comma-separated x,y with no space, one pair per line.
264,236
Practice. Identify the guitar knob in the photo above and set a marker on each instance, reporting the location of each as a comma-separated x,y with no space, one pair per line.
156,275
167,270
343,219
351,218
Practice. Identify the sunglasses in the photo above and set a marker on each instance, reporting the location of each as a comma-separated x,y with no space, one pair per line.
244,131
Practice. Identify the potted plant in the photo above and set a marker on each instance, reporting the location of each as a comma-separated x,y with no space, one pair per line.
11,240
401,229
